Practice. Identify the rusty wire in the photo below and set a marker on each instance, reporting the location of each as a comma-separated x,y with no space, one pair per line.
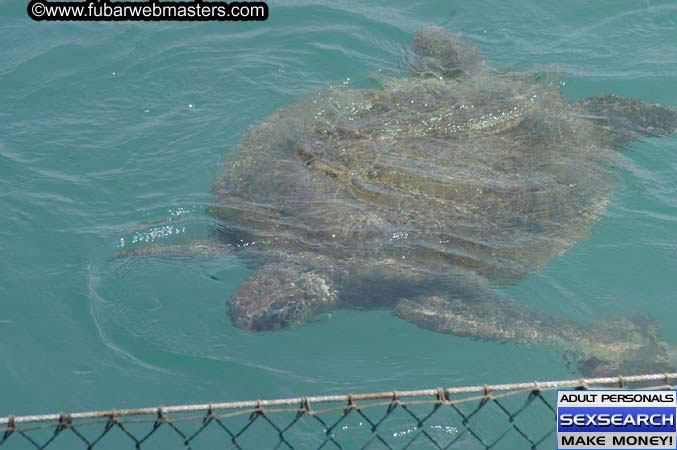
463,406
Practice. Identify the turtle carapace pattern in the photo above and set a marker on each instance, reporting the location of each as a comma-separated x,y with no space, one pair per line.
424,194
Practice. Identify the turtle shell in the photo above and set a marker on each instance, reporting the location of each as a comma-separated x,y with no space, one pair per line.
494,172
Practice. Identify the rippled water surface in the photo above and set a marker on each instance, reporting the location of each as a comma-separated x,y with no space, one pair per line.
111,134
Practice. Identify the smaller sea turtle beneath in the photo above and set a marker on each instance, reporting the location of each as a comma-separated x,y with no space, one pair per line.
423,195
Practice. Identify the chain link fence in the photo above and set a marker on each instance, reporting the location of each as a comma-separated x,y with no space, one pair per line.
508,416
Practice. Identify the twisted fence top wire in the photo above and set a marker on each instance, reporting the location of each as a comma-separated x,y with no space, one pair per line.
485,390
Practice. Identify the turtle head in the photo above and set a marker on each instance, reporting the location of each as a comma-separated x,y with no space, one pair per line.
440,52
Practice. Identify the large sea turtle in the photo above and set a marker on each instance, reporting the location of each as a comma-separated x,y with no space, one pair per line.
423,194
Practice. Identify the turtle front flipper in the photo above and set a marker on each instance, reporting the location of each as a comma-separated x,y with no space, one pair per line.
488,319
625,345
206,249
611,347
625,119
279,295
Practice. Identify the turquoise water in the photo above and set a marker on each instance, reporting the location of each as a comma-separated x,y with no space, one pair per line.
112,132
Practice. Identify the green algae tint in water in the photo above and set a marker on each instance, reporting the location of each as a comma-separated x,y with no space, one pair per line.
99,143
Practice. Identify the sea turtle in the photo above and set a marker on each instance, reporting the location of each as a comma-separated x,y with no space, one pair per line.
422,194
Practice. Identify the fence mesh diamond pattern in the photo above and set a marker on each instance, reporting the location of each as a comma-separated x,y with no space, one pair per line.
508,416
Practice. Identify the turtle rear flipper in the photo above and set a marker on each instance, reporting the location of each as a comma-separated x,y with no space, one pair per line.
625,119
441,52
279,295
